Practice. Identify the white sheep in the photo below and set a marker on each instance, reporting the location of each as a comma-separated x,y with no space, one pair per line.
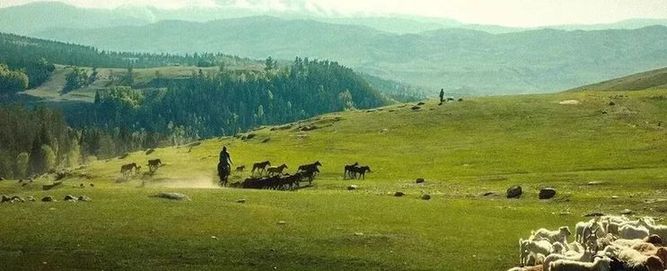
535,259
628,231
600,264
659,230
635,260
587,256
559,235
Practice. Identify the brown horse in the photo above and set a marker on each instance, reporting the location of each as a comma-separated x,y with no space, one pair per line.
276,170
240,168
260,167
154,164
128,168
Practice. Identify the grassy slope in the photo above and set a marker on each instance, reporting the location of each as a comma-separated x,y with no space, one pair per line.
655,79
462,149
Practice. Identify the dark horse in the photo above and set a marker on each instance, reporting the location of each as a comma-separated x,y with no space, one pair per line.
223,173
360,172
260,167
310,167
349,169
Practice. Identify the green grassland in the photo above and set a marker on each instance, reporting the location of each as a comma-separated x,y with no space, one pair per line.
462,149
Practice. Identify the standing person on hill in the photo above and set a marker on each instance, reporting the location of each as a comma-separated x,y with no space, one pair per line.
442,95
224,166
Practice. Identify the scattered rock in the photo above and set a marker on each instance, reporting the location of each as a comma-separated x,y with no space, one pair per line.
241,201
48,199
281,222
352,187
250,136
92,185
266,140
627,212
416,107
82,186
547,193
612,103
85,198
596,183
420,180
214,237
426,197
70,198
5,198
172,196
30,198
399,194
149,151
358,234
421,103
614,197
18,199
460,99
514,192
489,194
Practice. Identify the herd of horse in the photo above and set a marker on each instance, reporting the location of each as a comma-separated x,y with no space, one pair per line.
133,168
265,176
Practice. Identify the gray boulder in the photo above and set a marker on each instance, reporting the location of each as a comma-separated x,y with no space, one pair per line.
48,199
547,193
399,194
426,197
514,192
84,198
420,180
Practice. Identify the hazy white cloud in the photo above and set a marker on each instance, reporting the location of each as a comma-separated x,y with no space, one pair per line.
503,12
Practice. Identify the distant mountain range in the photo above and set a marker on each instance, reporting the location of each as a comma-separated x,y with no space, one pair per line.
431,53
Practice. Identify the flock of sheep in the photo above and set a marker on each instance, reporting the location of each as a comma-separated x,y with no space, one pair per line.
605,243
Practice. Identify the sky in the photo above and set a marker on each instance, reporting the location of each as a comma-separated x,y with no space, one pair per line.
521,13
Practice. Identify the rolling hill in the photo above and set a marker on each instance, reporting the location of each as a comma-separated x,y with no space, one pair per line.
655,79
464,62
462,149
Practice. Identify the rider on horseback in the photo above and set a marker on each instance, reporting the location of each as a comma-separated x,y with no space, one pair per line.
224,166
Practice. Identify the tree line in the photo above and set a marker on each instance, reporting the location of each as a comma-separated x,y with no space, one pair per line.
35,58
227,102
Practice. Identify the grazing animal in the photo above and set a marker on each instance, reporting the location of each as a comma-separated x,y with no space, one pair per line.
659,230
360,172
600,264
348,170
276,170
128,168
154,164
240,168
559,235
260,167
628,231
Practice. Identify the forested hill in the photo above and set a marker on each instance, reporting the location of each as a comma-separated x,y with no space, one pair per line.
132,107
35,58
226,102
